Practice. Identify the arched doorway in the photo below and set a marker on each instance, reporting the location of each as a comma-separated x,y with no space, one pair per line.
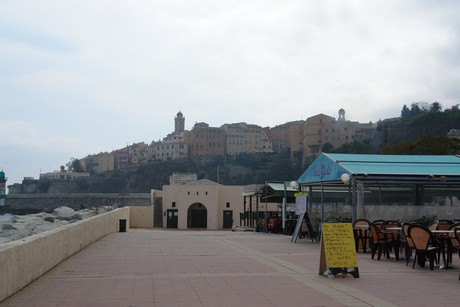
197,216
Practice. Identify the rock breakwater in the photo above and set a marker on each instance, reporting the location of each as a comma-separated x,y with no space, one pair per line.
15,227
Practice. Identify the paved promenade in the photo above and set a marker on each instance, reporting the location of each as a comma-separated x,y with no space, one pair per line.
224,268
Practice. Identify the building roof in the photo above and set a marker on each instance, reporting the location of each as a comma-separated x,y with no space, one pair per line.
202,182
272,192
182,178
330,167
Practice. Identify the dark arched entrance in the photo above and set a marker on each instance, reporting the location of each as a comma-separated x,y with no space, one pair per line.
197,216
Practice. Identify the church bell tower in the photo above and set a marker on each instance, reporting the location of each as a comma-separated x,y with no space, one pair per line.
179,122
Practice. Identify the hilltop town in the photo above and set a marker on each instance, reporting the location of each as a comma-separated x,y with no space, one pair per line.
298,141
303,140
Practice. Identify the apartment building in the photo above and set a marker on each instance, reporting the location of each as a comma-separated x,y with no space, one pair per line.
121,158
62,174
246,138
172,147
203,140
322,129
287,137
98,163
304,140
138,153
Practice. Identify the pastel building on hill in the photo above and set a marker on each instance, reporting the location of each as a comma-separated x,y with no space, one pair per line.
321,130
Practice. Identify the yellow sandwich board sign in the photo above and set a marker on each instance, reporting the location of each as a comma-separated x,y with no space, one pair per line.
338,252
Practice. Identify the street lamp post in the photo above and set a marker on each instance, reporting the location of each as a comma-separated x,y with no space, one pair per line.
346,180
293,184
283,208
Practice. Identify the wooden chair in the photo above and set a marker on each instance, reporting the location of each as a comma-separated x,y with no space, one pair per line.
457,237
378,223
433,225
424,243
380,242
361,233
394,234
408,244
454,242
444,225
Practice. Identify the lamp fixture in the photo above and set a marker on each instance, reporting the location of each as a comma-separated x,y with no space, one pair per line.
345,178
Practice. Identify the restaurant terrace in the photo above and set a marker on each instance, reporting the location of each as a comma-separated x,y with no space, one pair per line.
375,186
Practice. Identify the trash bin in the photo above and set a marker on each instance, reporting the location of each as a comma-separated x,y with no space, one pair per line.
122,225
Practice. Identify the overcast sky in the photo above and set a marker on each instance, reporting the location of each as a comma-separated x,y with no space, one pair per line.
83,77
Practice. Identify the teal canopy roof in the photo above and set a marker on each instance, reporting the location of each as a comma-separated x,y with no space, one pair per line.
271,191
330,167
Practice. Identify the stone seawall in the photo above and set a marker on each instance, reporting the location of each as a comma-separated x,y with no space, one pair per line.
23,261
30,203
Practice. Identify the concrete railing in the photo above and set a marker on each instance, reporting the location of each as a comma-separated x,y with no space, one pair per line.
25,260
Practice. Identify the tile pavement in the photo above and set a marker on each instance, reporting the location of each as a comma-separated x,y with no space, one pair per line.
145,267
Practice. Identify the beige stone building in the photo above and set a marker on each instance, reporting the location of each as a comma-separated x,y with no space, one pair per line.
246,138
138,153
322,129
62,174
172,147
121,158
288,137
189,203
203,140
99,163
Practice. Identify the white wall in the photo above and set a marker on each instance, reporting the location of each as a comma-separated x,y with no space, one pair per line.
25,260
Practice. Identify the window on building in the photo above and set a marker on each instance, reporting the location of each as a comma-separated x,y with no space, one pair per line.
173,204
227,205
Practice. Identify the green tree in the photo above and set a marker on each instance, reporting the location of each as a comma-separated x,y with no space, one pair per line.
74,166
405,112
415,109
327,147
357,147
435,107
246,160
426,145
453,109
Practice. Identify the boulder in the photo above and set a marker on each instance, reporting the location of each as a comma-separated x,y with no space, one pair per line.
63,212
